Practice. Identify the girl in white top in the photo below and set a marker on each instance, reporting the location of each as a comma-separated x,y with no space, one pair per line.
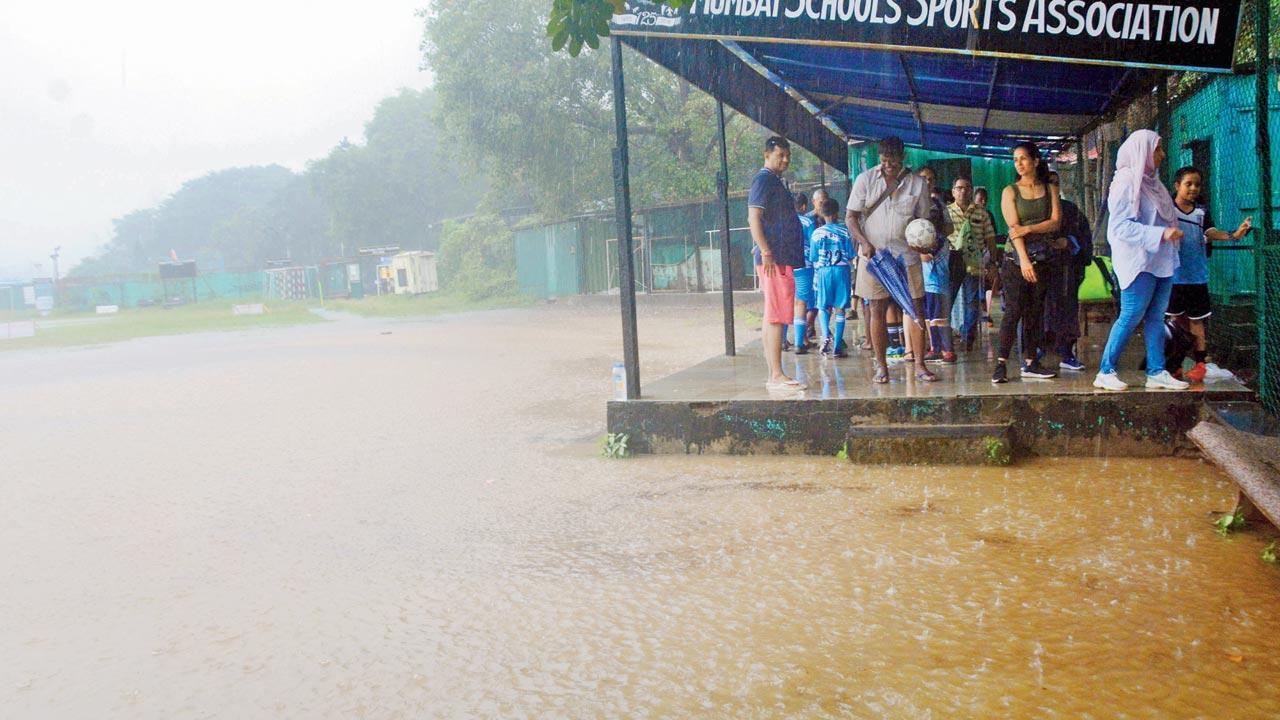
1143,233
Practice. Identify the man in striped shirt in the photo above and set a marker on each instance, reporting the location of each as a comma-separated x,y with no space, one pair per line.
973,234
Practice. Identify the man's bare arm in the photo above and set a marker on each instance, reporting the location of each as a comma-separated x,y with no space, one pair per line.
755,219
853,220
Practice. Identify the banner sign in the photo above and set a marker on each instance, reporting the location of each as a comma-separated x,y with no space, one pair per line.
1173,34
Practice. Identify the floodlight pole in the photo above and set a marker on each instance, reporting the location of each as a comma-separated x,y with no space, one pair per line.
622,213
1262,238
726,249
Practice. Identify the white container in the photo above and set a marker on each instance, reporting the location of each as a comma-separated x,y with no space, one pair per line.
619,381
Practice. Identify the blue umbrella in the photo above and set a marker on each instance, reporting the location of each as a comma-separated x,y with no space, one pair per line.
892,274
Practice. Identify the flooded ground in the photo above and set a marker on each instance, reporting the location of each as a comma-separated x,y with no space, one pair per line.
410,519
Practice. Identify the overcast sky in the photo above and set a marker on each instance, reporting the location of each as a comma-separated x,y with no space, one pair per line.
108,107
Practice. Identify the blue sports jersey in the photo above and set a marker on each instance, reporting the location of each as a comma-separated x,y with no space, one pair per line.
831,246
782,230
807,225
1194,267
937,277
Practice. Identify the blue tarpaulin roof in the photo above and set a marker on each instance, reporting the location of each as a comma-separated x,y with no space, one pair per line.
955,103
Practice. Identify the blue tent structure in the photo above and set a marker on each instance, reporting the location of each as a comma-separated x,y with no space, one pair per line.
946,75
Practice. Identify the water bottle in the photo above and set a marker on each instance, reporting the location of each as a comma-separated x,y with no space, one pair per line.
619,381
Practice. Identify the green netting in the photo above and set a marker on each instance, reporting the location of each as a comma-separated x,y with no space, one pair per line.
85,293
676,249
1213,125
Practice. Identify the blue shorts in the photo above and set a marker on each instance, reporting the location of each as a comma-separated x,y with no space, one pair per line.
804,286
833,286
935,306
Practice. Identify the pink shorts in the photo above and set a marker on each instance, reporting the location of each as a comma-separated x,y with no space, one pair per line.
779,294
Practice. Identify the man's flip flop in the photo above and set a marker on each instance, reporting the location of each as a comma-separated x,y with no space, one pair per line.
785,385
926,376
881,377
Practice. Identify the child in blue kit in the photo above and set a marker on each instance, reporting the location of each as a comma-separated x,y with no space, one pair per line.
1189,298
803,276
937,310
831,252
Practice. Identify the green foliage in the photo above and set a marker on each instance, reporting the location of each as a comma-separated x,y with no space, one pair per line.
614,445
843,453
477,257
1231,522
190,222
1269,553
575,23
997,450
541,123
393,190
398,186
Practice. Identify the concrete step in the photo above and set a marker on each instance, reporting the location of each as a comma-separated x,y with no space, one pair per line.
934,444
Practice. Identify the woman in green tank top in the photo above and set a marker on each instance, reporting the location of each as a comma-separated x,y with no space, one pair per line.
1032,212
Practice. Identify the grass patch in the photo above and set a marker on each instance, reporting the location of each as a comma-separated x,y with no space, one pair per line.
435,303
68,330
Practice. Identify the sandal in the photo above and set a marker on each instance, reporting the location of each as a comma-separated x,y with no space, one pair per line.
926,376
881,377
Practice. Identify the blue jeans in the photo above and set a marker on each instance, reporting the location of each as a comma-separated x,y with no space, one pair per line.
1145,301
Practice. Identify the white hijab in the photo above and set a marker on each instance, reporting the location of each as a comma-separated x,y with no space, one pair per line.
1136,176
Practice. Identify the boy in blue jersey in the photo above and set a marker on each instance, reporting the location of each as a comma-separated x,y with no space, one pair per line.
804,310
831,252
1189,300
937,308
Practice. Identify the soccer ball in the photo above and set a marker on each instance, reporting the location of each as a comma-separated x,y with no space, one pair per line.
921,236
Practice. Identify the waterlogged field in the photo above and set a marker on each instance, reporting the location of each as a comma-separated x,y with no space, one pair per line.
406,519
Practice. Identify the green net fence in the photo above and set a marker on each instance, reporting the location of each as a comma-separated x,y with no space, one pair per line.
1213,123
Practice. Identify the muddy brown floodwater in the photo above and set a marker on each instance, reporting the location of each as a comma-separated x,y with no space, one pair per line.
410,519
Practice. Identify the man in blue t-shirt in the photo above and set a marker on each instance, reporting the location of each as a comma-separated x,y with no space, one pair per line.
779,247
1189,299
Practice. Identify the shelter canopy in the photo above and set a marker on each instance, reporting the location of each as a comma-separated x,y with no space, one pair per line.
963,85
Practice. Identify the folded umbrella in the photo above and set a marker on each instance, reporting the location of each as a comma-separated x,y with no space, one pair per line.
892,274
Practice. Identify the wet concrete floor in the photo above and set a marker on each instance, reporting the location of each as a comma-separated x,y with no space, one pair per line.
410,519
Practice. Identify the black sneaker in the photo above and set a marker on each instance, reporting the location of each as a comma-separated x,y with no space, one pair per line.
841,352
1001,375
802,349
1035,370
786,345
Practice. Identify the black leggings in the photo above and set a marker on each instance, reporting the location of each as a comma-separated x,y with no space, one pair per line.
1023,302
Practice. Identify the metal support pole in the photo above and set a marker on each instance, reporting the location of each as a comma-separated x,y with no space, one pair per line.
1080,161
1262,238
1162,126
622,212
726,262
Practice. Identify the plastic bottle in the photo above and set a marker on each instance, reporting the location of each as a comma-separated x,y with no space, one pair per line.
619,381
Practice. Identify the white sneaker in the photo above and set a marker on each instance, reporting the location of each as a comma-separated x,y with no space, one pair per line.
1109,381
1164,381
1213,373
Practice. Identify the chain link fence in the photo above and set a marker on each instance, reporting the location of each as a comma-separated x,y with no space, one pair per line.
1211,122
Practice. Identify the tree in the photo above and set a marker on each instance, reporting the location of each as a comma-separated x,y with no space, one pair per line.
574,23
542,123
189,222
400,184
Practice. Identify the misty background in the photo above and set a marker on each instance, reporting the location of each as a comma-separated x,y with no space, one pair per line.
241,132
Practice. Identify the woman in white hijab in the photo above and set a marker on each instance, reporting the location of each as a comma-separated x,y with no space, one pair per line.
1143,233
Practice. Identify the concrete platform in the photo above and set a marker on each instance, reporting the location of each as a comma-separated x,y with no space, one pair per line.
722,406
